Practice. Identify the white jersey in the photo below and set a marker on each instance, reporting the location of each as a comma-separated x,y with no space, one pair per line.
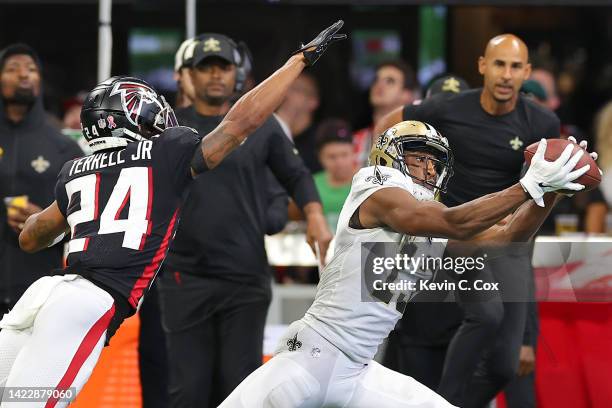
339,312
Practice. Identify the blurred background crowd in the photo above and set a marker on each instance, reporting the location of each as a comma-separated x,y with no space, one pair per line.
396,55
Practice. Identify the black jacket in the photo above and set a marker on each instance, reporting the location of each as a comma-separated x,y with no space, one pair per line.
31,156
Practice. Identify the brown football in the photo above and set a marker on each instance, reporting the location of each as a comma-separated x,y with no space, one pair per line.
555,147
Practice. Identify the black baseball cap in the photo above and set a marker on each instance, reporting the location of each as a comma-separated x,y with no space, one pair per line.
448,84
215,45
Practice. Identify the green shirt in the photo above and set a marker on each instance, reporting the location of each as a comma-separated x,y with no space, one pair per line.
332,198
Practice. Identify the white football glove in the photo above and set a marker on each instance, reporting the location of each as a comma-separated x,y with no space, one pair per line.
594,155
583,144
544,176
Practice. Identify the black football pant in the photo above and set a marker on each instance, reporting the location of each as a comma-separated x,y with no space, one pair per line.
152,353
417,347
423,363
483,356
214,333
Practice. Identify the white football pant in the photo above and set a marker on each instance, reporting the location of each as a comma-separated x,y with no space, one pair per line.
53,337
308,371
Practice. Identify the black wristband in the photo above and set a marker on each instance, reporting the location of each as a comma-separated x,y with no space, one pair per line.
198,164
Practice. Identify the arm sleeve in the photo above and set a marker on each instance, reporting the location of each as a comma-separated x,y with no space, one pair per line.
277,203
179,145
285,162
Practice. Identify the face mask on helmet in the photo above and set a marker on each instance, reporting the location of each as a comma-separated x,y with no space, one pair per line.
417,150
427,162
157,117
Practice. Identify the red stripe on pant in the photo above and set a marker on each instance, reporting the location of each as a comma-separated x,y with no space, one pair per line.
85,348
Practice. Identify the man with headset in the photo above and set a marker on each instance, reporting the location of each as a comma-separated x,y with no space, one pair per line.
216,287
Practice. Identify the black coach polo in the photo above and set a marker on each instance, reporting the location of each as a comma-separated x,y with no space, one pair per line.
223,221
488,149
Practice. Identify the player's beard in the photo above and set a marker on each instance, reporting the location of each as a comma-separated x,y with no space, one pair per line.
22,96
216,99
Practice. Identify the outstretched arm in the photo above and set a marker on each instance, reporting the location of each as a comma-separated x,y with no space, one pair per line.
257,105
41,229
250,112
399,210
522,225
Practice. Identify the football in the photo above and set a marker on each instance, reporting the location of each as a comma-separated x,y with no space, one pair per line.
555,147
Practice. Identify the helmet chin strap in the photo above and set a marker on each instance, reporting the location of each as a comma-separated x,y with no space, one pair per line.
422,193
132,136
103,143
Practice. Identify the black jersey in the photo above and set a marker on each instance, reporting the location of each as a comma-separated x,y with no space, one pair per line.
488,149
122,206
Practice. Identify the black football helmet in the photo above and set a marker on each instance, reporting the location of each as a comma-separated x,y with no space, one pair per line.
122,110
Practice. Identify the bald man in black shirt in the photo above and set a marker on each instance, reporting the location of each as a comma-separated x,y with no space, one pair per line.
488,130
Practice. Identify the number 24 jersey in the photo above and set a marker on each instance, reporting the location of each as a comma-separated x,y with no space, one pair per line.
122,206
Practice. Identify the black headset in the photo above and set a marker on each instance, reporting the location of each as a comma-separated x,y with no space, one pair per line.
245,67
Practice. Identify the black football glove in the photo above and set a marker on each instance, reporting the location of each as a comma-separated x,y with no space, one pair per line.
321,42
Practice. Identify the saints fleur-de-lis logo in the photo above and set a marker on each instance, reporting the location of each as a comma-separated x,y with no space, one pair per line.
294,343
212,45
40,165
378,177
381,142
451,85
516,143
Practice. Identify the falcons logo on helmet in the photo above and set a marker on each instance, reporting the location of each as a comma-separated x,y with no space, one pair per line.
133,96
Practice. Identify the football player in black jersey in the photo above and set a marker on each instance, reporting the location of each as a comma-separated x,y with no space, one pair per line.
121,208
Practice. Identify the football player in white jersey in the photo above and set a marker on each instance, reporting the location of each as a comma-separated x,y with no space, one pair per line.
325,359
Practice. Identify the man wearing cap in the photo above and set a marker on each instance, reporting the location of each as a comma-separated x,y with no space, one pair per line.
152,344
487,129
32,152
216,285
